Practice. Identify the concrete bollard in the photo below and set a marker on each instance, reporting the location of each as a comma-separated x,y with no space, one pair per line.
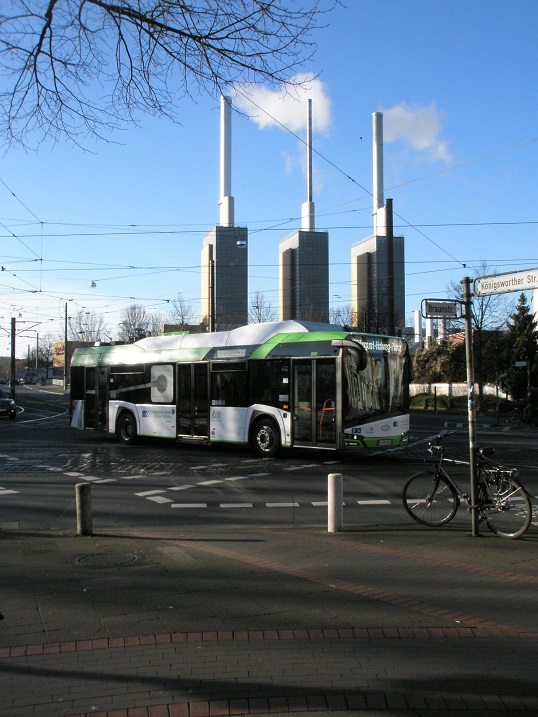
84,508
335,502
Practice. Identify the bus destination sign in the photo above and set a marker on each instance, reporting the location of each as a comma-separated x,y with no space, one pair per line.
439,309
504,283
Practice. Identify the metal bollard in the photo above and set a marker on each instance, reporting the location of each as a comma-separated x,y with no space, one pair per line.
335,502
84,508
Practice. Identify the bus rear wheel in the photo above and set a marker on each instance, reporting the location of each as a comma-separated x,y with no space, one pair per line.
126,429
266,438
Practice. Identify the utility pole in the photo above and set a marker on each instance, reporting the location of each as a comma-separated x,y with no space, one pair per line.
65,348
13,367
468,309
391,329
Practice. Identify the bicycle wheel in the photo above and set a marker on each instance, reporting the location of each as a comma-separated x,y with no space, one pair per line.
507,509
428,504
514,418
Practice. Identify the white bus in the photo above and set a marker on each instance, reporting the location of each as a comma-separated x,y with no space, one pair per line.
275,385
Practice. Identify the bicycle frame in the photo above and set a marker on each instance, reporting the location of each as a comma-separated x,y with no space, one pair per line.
432,497
482,463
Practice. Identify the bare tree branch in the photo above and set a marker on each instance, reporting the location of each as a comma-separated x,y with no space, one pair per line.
81,68
261,309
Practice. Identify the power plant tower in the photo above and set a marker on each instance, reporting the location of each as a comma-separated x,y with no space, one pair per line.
224,263
377,262
304,259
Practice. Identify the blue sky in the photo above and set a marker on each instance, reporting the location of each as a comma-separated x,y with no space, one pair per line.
456,81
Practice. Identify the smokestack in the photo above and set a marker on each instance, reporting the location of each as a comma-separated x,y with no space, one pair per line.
307,209
429,332
226,201
418,326
379,200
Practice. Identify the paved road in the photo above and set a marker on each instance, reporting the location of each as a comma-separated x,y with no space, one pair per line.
162,484
192,612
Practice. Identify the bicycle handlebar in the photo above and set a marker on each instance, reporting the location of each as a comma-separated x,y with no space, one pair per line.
436,443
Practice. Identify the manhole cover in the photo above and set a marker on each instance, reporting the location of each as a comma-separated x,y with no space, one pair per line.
106,560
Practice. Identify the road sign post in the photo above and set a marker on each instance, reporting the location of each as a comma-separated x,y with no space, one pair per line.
440,309
506,282
468,308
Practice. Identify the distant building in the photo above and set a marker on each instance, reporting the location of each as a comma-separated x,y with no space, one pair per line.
224,290
183,328
304,276
369,282
58,351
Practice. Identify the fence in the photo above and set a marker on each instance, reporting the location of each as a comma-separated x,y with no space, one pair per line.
449,389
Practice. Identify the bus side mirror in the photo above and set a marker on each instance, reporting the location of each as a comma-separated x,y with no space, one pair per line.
360,353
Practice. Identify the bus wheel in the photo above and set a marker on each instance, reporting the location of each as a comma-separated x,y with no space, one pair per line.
126,429
266,438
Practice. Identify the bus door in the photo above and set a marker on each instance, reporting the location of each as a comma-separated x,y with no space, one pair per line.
192,400
96,399
314,406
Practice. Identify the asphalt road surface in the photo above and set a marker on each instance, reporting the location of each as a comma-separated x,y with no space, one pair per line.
161,484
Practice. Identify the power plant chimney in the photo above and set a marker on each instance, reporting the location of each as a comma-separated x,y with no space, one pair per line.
379,199
307,209
226,200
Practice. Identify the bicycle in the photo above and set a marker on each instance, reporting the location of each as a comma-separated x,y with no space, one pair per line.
518,416
432,498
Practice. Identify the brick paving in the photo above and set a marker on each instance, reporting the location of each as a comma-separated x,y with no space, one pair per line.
257,622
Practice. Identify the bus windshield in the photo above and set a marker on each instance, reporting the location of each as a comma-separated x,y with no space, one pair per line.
380,388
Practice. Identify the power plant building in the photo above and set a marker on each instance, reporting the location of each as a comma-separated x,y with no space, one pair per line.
304,260
370,281
377,262
304,276
224,261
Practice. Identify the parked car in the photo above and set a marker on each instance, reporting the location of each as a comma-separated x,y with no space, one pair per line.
7,405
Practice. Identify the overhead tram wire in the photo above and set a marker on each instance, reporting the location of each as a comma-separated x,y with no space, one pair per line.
364,189
345,174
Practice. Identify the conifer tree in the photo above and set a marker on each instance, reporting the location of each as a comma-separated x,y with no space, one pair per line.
521,344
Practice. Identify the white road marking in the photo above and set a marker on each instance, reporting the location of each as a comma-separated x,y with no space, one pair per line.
237,505
282,505
373,502
189,505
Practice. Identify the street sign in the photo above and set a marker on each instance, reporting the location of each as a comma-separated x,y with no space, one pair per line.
506,282
440,309
521,364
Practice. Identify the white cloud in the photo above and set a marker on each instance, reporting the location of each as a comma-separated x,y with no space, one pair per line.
418,126
288,107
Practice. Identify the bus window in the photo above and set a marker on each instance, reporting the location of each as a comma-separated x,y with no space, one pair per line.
302,401
269,382
229,388
77,383
325,401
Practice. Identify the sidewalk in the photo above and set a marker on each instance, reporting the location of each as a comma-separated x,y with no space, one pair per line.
400,622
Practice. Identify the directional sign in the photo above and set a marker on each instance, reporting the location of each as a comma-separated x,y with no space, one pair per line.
503,283
440,309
